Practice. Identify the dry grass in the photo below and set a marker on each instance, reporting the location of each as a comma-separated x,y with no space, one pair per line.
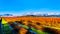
37,22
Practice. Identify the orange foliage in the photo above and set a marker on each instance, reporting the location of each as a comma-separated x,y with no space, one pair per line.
36,22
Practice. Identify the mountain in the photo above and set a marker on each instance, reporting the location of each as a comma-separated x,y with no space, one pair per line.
6,15
44,14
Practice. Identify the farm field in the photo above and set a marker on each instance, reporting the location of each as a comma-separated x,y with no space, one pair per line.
45,24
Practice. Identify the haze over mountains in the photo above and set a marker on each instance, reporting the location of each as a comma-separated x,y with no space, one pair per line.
6,15
44,14
36,14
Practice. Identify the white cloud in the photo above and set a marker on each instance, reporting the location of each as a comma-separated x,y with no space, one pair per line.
41,11
33,12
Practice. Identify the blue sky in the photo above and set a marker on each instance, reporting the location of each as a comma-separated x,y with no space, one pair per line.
22,6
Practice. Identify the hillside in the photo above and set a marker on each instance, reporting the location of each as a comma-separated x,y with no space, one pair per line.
37,22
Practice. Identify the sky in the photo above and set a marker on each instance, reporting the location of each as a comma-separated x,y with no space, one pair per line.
18,7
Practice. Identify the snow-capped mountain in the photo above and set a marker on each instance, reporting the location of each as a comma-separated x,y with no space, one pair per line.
43,14
34,14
